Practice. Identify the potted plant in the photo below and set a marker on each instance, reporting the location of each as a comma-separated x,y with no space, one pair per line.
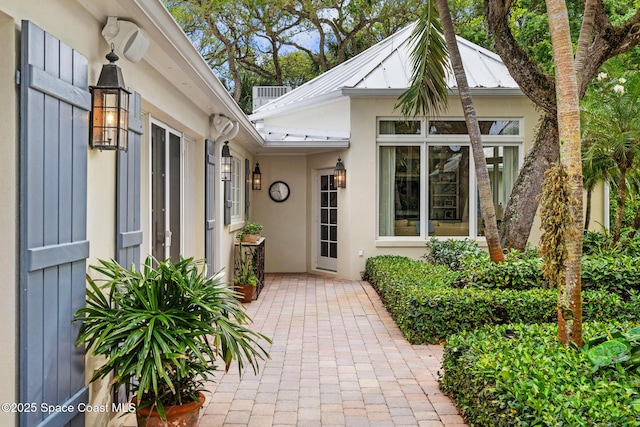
244,276
161,329
250,232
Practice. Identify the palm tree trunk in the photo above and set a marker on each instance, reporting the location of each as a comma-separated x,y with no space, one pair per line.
569,293
484,186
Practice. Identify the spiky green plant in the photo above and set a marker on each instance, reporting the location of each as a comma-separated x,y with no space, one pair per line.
164,327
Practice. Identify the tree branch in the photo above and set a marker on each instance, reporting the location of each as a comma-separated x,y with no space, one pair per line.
536,84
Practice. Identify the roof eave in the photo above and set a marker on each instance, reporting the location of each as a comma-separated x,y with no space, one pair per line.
396,92
329,143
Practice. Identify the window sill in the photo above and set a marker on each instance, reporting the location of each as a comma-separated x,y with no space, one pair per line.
400,243
418,242
235,226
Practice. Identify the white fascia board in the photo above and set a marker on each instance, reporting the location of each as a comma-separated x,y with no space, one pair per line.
381,93
311,133
338,143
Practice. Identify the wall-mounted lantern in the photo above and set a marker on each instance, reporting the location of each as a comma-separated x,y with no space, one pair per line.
256,179
109,119
340,175
225,171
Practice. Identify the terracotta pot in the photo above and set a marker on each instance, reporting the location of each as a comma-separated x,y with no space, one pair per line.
177,416
246,292
250,238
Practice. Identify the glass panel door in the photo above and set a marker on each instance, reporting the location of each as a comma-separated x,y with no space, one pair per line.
166,212
327,221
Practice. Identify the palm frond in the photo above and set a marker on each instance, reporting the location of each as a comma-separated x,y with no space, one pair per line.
427,92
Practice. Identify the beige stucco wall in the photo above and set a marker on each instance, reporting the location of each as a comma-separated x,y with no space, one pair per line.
226,234
285,224
8,218
331,115
599,208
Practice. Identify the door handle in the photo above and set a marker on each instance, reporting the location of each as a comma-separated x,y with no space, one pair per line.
167,238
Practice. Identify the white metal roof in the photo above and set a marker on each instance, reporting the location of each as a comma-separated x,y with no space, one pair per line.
386,66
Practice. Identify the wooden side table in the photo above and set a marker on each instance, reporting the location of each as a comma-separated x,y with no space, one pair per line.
256,251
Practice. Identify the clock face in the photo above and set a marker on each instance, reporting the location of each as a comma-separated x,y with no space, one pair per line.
279,191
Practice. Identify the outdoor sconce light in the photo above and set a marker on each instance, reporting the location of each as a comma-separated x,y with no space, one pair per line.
340,175
109,108
226,162
256,179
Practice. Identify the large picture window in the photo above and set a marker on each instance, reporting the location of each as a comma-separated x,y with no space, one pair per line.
400,192
426,181
502,164
448,190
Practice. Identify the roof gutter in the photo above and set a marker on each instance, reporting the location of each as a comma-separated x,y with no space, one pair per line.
394,93
308,144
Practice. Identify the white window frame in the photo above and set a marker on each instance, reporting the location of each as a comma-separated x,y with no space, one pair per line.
425,140
168,130
237,188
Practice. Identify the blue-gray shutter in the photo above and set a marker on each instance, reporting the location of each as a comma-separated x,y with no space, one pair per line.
128,230
209,202
53,225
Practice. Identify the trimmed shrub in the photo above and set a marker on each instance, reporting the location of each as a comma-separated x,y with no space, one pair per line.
520,270
427,309
450,252
397,277
395,270
619,273
532,380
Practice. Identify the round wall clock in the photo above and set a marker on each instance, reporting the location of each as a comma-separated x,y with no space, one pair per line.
279,191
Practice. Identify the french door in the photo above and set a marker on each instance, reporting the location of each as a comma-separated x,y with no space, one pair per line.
327,221
166,192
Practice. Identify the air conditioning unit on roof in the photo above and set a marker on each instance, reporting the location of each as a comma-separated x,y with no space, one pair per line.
264,94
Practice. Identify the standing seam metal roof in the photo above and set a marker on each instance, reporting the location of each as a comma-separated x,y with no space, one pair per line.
387,65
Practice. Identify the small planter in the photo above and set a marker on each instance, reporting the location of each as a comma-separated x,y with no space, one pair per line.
177,416
250,238
246,292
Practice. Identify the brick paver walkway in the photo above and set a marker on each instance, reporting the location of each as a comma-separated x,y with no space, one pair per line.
337,359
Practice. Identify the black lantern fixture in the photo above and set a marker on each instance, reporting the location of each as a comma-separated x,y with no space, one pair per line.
109,108
226,162
256,179
340,175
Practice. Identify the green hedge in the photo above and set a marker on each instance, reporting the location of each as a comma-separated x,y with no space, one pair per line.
451,252
615,273
532,380
520,270
426,307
